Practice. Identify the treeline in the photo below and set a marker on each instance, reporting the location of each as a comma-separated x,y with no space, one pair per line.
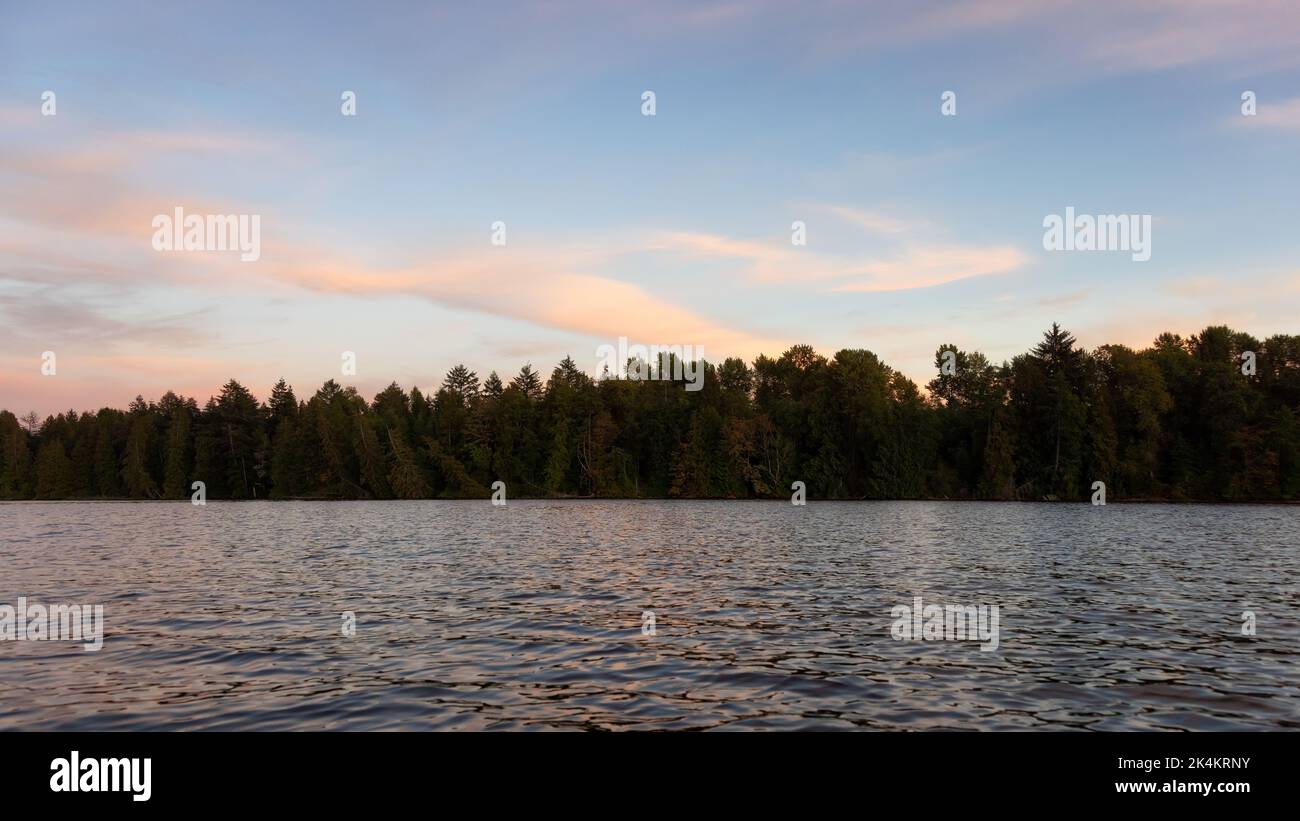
1183,419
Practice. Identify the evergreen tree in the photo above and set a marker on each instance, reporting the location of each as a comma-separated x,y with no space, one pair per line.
178,461
15,458
54,475
239,440
528,383
462,382
136,473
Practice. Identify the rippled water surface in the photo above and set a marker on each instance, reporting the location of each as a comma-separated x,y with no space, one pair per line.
767,615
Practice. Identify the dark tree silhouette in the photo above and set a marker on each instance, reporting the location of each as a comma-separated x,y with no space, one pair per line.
1182,419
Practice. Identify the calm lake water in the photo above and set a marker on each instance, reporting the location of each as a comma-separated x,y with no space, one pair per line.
229,616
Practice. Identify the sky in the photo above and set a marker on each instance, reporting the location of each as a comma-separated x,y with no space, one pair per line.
376,230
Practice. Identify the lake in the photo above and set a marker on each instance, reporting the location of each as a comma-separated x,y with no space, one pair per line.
537,615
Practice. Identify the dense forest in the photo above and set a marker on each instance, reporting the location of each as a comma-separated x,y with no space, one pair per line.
1183,419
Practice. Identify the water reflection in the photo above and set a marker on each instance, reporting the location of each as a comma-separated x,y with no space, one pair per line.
767,616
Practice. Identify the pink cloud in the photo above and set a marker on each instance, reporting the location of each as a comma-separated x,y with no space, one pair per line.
544,287
912,267
1284,115
928,267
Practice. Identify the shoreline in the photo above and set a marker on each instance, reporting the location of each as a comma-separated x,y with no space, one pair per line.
1144,501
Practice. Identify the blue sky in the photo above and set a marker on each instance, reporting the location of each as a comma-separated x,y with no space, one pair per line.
672,229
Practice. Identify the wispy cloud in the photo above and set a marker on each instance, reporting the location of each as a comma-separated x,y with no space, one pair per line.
912,266
1283,115
928,267
46,316
545,287
868,220
1110,34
